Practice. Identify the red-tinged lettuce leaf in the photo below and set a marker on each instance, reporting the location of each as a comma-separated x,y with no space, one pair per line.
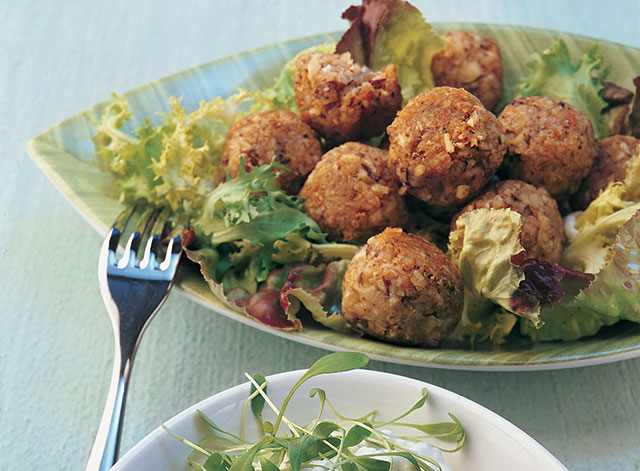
619,105
554,288
622,115
485,247
544,283
284,293
319,289
631,125
262,305
566,319
386,32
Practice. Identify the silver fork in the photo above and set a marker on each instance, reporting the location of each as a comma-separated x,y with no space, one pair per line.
133,292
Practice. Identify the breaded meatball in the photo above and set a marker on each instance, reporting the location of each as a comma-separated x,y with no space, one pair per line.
259,137
470,61
445,146
550,143
344,100
351,193
610,166
401,288
542,232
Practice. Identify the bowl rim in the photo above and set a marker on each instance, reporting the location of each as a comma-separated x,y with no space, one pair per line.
238,393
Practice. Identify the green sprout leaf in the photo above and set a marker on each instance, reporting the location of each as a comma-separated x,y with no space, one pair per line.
244,462
267,465
329,445
332,363
372,464
324,429
216,462
356,434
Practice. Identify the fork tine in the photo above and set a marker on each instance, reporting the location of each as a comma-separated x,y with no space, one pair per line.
109,247
149,260
131,250
174,251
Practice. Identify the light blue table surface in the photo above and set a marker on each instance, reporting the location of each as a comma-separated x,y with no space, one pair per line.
58,58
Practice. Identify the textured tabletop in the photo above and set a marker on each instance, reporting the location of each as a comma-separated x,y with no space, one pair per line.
58,58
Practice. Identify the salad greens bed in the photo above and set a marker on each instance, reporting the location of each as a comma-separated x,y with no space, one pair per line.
262,255
322,444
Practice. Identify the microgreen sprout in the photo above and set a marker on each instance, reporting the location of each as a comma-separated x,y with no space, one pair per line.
323,445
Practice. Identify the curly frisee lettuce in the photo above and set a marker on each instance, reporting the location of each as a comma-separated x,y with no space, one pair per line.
175,163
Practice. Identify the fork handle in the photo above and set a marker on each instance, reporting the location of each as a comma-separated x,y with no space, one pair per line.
104,452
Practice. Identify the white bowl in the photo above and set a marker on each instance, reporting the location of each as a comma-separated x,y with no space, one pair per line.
492,442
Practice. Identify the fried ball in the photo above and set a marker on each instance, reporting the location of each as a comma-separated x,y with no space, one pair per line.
445,146
344,100
258,138
550,143
610,165
351,193
470,61
401,288
542,233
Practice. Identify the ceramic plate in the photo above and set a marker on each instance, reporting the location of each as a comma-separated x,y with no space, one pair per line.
64,153
492,443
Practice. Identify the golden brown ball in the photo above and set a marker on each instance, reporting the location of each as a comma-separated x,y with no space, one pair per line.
550,143
344,100
259,137
471,61
351,193
445,146
403,289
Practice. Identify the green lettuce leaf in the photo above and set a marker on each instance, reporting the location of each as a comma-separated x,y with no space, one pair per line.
482,320
566,321
612,296
482,247
606,242
615,291
386,32
501,283
174,163
262,255
250,209
597,227
577,83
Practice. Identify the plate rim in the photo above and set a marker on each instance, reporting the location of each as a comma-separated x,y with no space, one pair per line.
597,358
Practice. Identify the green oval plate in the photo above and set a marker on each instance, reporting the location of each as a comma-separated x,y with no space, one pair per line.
64,153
